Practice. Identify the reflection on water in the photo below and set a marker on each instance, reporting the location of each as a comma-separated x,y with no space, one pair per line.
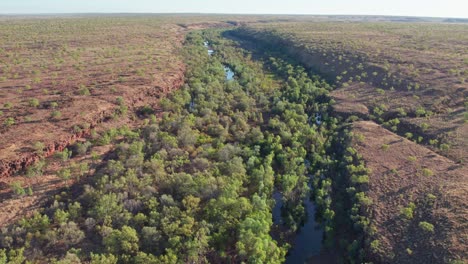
207,46
308,241
229,73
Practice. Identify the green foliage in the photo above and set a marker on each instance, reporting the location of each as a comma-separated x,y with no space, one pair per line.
83,90
426,227
39,148
408,212
33,102
9,122
196,185
55,114
375,246
64,155
36,169
103,259
54,105
8,105
427,172
444,147
17,188
64,174
123,241
420,111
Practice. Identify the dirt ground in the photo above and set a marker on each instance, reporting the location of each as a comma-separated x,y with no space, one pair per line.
61,78
403,172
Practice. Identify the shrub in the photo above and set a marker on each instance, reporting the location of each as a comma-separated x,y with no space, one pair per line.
82,148
53,104
9,122
444,147
64,155
17,188
375,246
385,147
8,105
401,112
64,174
363,199
84,90
420,111
380,91
359,137
39,148
56,114
36,170
409,135
120,100
427,172
424,126
408,212
426,227
33,102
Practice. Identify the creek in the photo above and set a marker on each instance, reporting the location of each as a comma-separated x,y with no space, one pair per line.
227,70
307,242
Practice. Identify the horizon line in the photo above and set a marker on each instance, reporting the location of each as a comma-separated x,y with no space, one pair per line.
214,13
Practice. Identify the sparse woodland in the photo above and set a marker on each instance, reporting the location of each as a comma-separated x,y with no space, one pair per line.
193,179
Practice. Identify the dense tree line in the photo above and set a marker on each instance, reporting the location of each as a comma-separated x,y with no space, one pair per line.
196,186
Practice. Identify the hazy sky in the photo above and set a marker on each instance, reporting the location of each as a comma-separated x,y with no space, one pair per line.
437,8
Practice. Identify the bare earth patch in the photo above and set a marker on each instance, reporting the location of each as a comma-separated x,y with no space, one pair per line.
403,172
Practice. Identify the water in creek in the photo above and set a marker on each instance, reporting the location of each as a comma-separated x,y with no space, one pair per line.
229,73
208,47
227,70
308,241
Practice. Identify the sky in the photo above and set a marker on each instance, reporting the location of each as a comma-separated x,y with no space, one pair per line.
431,8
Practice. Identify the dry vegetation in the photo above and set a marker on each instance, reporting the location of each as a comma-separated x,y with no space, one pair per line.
411,79
65,79
415,73
408,185
59,78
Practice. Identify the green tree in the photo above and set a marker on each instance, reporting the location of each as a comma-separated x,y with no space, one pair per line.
123,241
64,174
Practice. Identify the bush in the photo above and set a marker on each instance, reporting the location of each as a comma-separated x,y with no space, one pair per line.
8,105
56,114
375,246
427,172
426,227
444,147
39,148
17,188
9,122
33,102
408,212
84,90
82,148
54,105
